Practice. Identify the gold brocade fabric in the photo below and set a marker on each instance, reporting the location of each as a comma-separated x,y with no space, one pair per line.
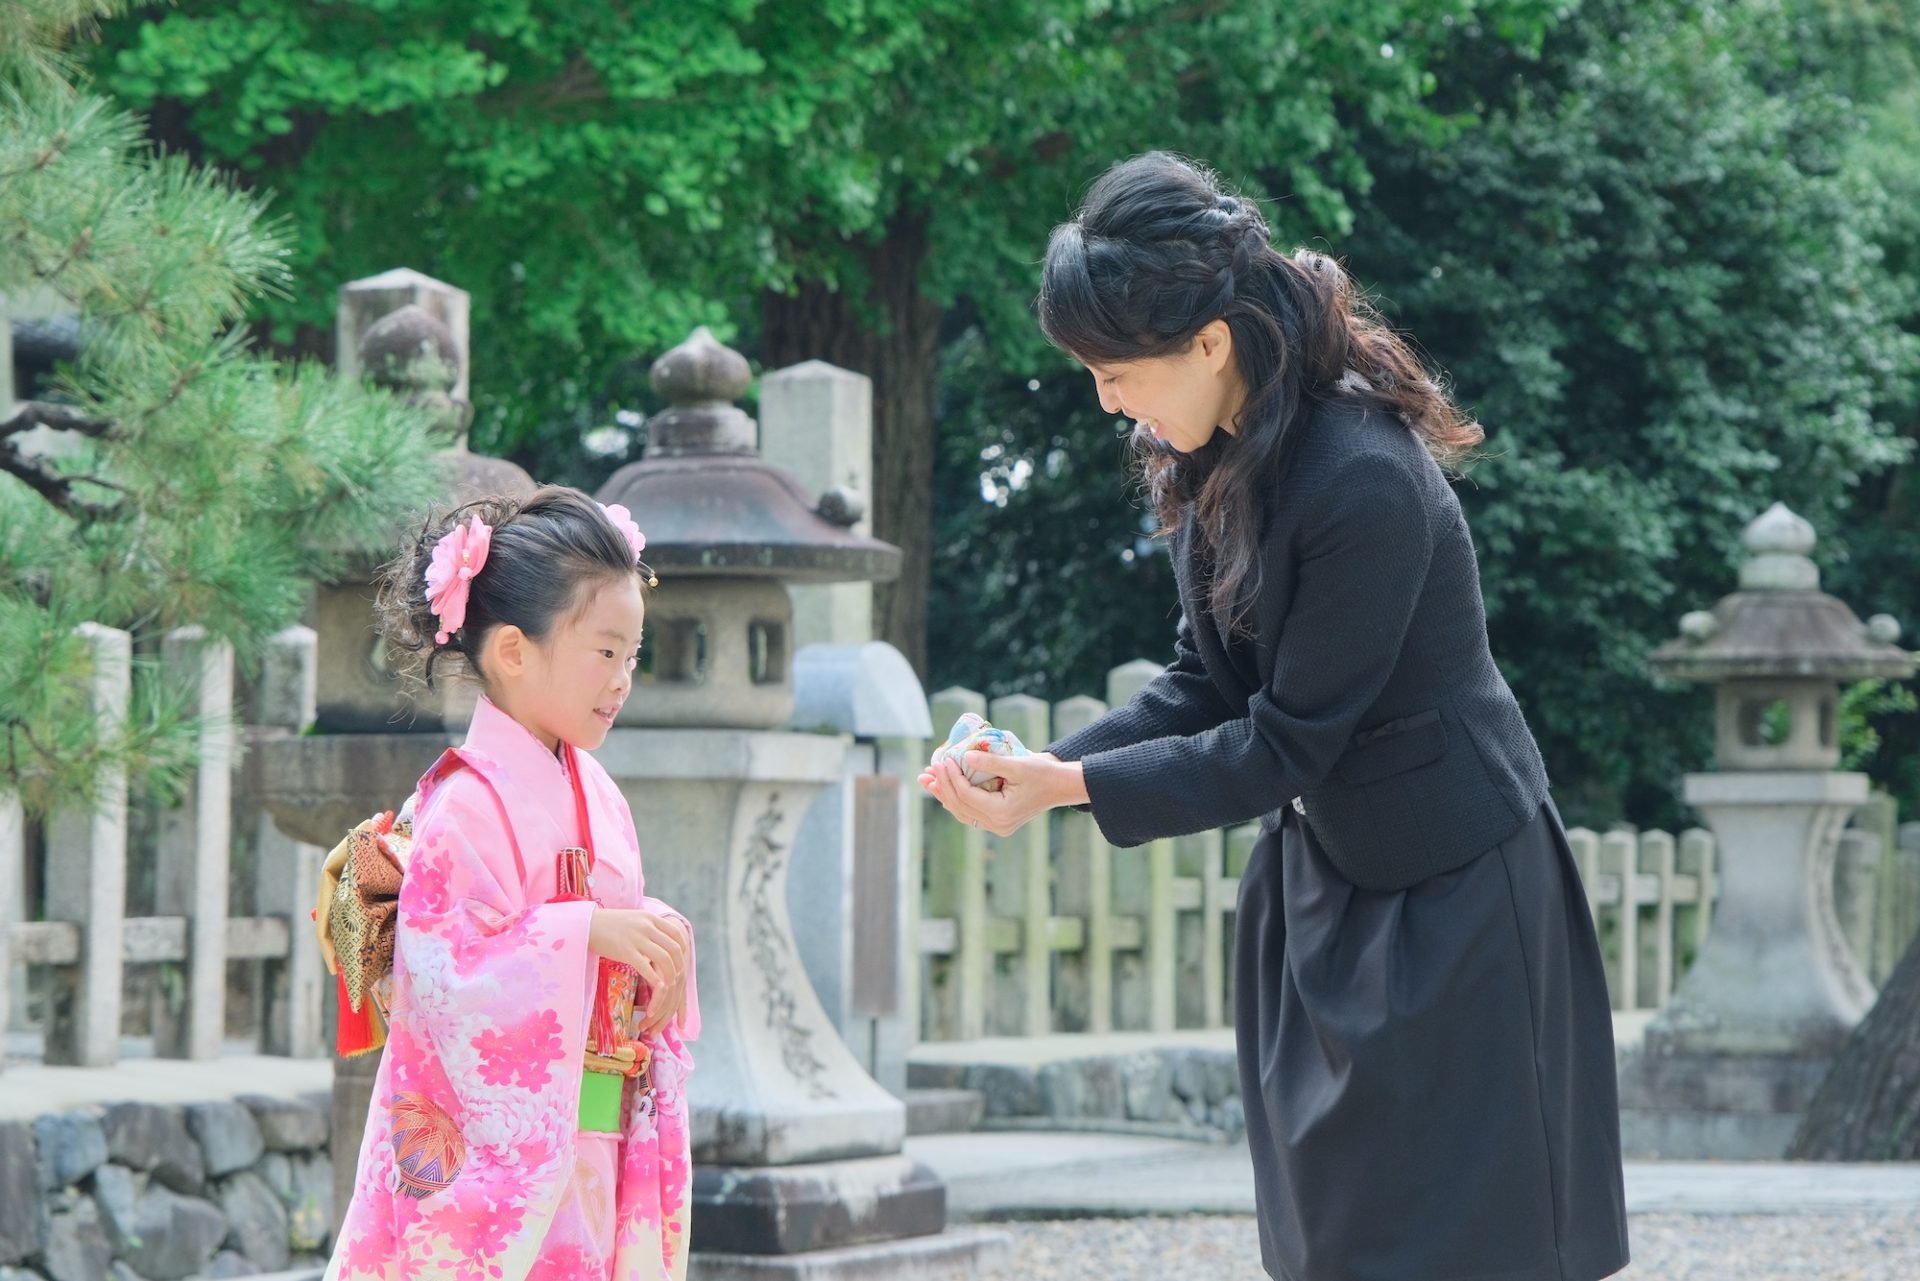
359,898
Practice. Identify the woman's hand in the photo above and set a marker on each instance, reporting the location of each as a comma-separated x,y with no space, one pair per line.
1032,785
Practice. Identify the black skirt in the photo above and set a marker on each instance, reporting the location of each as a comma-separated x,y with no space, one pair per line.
1428,1074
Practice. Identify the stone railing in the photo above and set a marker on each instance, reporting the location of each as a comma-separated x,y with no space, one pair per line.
84,937
1054,930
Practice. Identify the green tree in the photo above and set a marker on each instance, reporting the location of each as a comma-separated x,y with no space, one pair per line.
1650,274
831,177
165,476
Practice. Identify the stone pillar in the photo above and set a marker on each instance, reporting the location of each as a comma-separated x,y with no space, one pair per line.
366,302
294,990
13,841
817,422
195,847
87,878
853,890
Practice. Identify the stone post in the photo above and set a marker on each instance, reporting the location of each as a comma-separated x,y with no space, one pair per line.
13,837
1085,889
195,846
286,870
366,302
817,425
87,878
1020,886
852,885
1143,887
957,889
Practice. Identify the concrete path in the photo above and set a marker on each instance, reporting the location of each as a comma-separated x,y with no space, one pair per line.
1048,1175
28,1089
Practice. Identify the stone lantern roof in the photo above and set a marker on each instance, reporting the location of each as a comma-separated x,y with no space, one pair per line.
1780,624
712,507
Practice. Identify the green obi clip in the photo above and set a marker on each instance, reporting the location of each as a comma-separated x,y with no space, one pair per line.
600,1100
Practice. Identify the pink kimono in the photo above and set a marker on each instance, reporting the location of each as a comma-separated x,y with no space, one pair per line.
479,1085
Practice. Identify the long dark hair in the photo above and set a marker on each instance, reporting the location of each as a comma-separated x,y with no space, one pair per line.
1158,251
544,552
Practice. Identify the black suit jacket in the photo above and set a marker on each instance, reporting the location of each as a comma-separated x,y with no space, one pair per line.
1366,688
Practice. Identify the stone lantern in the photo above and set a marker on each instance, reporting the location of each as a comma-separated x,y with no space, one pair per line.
727,530
1727,1067
799,1169
405,332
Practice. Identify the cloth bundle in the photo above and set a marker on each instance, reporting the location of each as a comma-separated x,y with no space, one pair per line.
354,916
972,733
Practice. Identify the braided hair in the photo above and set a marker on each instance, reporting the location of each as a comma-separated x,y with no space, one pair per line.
1157,252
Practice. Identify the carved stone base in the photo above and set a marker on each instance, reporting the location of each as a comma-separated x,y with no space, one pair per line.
825,1205
1714,1106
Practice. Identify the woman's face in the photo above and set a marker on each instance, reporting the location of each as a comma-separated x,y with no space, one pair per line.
1182,398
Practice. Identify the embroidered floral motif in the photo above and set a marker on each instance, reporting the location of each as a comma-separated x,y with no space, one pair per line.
427,1147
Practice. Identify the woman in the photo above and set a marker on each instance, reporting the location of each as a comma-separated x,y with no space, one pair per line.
1425,1044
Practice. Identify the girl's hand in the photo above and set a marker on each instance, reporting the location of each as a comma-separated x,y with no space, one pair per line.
664,1005
667,1002
656,946
1033,785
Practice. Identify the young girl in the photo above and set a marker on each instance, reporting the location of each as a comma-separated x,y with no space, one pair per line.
529,1117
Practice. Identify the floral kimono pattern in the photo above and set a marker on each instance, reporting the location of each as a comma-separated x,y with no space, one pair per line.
472,1166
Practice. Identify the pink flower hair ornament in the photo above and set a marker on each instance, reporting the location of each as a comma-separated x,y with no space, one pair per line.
622,520
457,557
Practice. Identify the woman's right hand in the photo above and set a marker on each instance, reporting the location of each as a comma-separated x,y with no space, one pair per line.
653,945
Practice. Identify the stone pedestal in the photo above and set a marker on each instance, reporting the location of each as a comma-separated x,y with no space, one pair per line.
1728,1066
797,1148
851,895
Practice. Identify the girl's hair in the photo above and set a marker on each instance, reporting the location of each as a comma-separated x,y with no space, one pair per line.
1158,251
546,551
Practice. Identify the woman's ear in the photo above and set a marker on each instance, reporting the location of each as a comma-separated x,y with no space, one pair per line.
1215,344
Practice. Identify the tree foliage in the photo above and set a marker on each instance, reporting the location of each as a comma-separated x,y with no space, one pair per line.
165,476
1653,276
813,180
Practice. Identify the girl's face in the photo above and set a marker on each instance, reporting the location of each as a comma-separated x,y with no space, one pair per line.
569,687
1182,398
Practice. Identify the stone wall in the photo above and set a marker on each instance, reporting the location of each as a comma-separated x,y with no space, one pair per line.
1186,1091
129,1191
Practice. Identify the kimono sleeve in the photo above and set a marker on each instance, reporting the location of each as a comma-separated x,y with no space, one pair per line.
499,988
1362,565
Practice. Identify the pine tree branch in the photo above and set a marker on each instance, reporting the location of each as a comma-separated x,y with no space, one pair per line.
52,486
41,413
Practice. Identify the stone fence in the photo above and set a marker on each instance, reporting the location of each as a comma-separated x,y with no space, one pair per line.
1050,930
88,945
1053,930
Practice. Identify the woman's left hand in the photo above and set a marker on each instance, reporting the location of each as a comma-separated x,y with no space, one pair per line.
1032,785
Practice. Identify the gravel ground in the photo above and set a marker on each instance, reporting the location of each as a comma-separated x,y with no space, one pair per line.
1858,1245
